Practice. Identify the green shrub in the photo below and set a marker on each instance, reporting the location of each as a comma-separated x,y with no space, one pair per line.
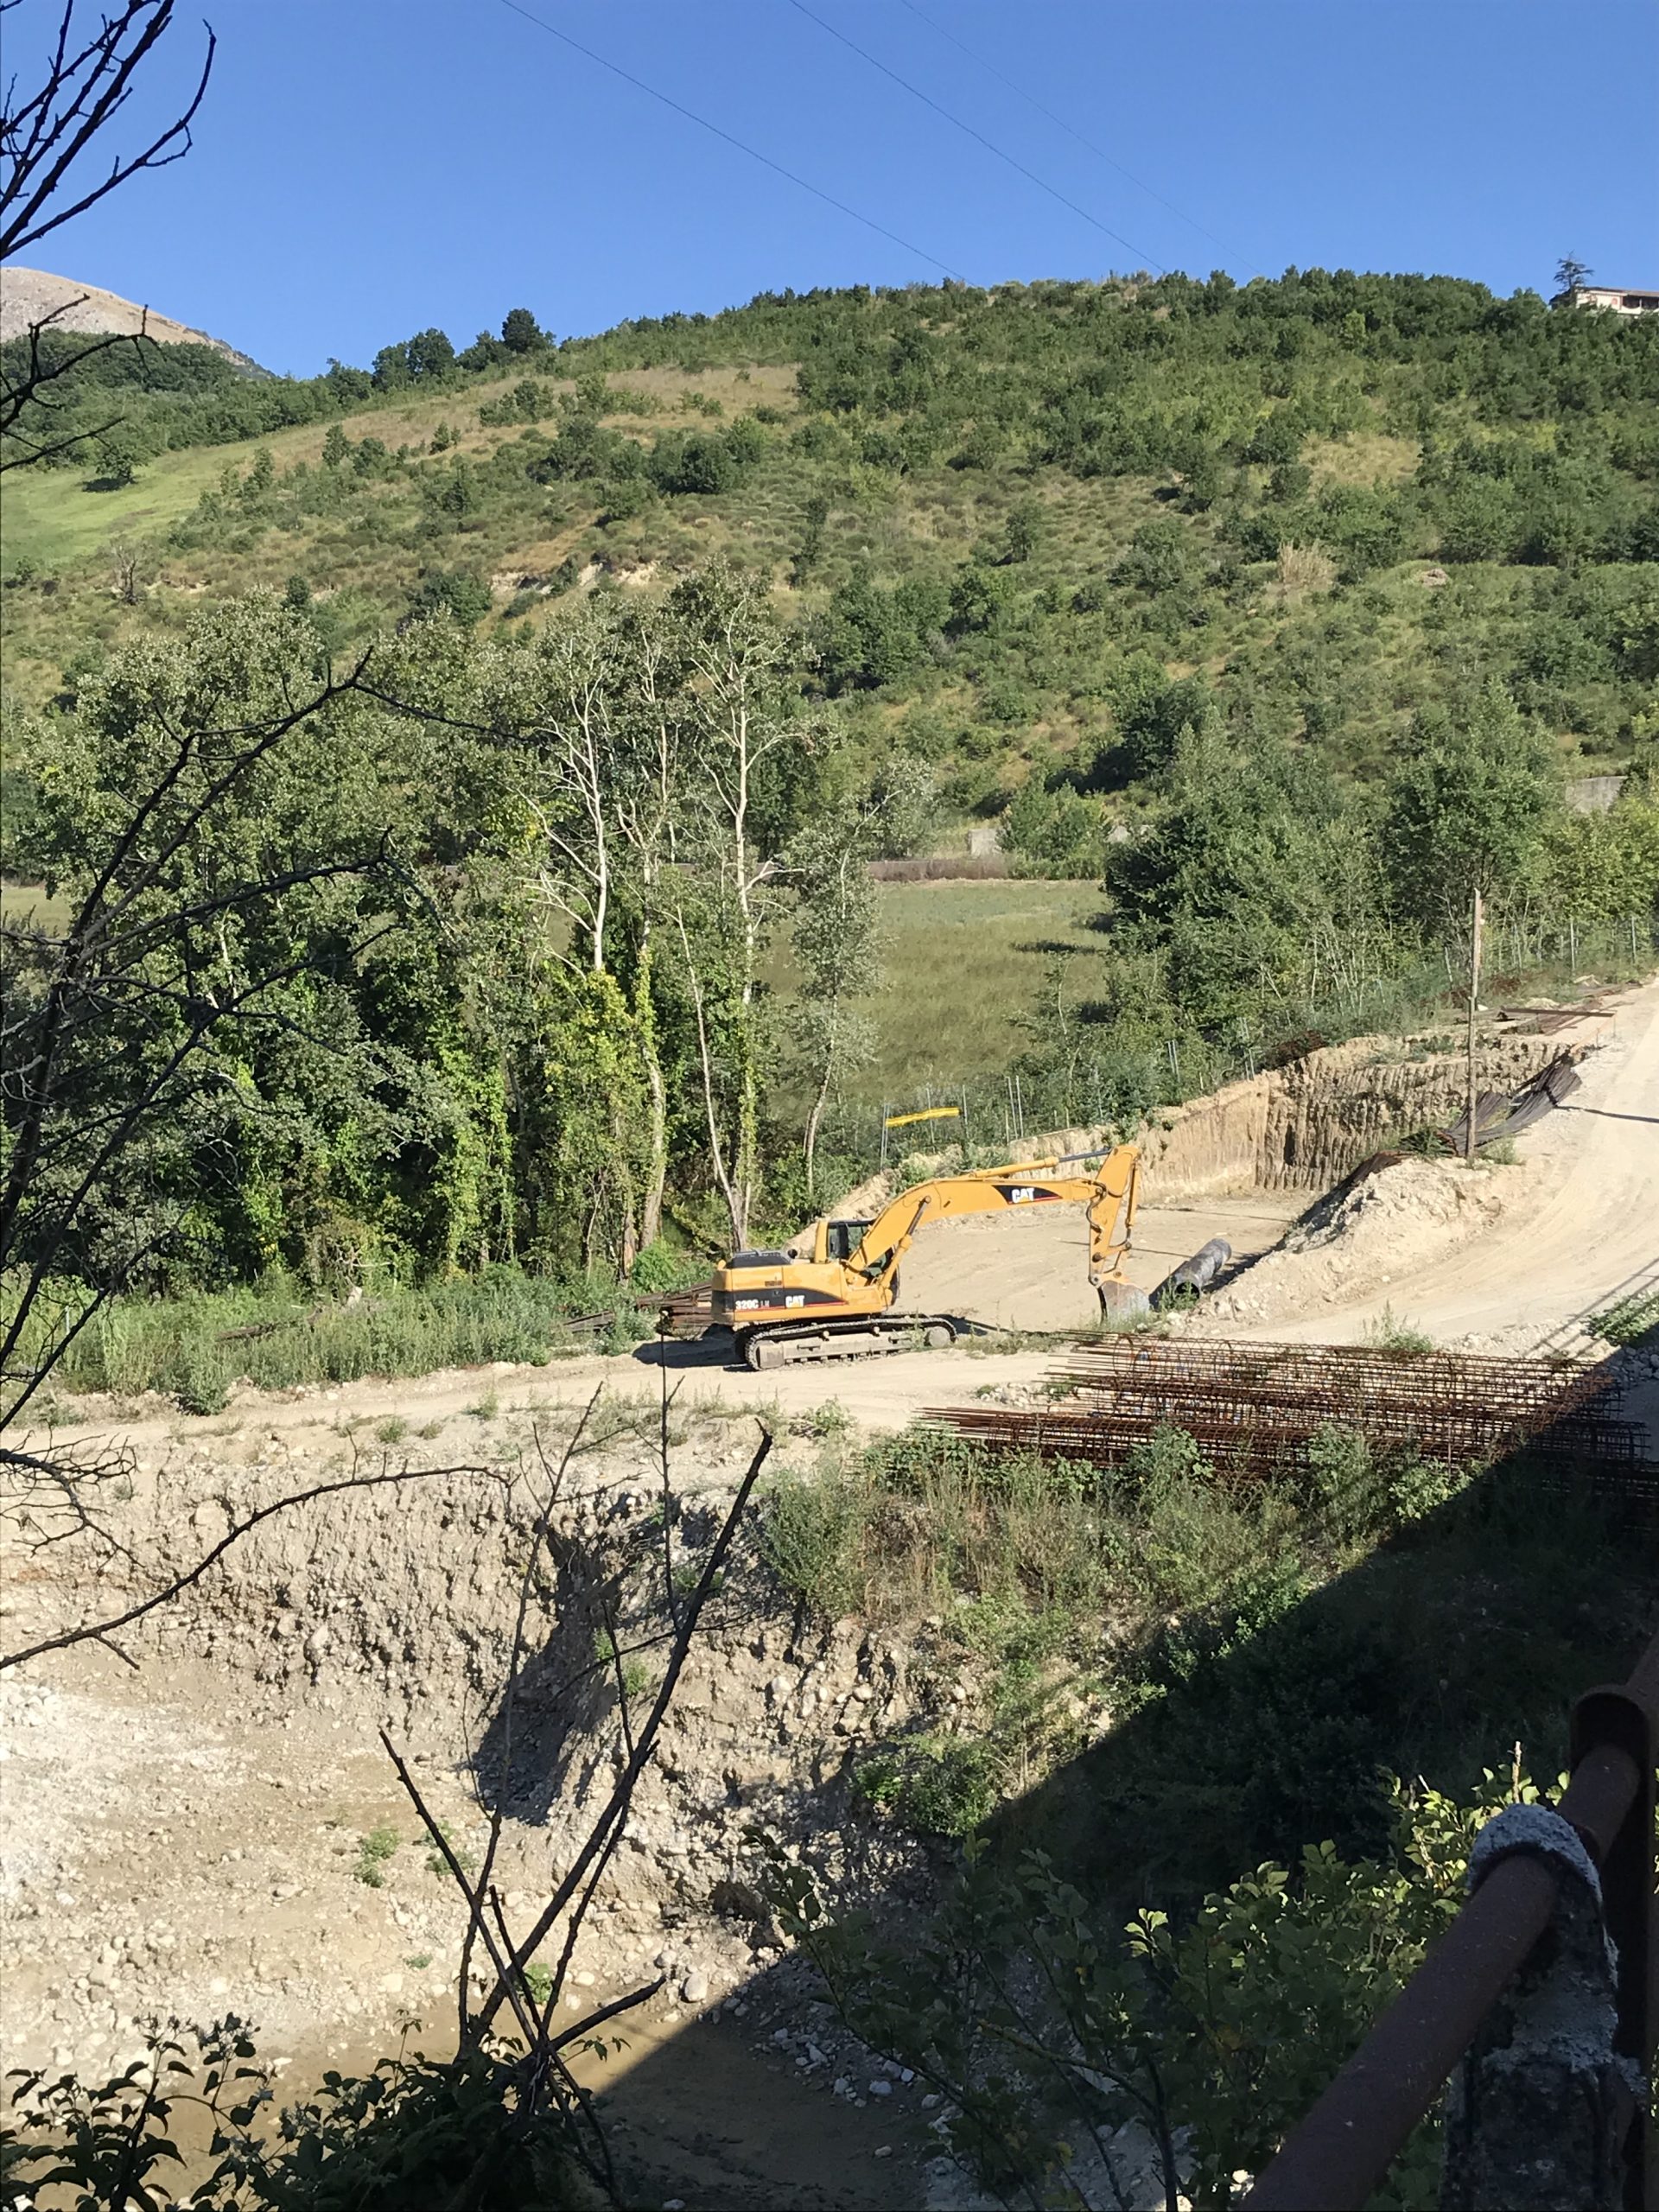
1023,1998
935,1785
1634,1320
812,1531
196,1347
451,2136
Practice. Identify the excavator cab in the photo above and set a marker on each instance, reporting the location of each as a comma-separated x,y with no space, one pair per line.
841,1238
759,1289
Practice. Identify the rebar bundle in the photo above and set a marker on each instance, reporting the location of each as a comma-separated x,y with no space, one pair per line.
1255,1408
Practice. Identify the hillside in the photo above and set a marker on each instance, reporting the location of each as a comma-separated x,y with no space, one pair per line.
29,296
1006,516
1282,612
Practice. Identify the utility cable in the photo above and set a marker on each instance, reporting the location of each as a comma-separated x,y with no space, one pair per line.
916,93
1099,152
754,154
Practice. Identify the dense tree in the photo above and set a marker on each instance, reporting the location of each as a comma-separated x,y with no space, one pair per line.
119,456
429,355
1467,808
458,592
424,358
521,333
239,1000
1253,859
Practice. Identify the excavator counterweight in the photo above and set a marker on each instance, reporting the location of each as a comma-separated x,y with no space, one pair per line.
832,1294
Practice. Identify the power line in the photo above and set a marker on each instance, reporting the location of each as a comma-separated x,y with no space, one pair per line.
765,160
1042,184
1098,152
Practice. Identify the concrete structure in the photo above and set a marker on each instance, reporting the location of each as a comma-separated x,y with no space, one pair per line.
1592,794
1614,297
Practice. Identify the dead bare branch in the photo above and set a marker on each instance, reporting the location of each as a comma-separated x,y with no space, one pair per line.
605,1832
526,1581
472,1891
45,138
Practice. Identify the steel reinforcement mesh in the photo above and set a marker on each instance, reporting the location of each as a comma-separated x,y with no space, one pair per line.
1254,1408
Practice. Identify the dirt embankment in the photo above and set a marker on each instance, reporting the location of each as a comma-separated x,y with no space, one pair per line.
1371,1233
1304,1126
1299,1127
189,1838
1241,1164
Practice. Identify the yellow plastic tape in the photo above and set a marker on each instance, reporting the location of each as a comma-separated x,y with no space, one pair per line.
927,1114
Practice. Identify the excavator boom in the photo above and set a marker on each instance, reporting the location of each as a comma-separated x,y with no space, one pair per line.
832,1294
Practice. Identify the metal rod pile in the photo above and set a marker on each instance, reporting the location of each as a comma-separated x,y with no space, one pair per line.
1254,1408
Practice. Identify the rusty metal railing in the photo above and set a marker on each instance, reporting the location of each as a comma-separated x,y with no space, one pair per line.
1338,2154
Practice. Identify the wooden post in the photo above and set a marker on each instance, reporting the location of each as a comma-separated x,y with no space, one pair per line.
1474,999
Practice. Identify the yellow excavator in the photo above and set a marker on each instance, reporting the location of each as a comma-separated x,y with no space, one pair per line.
831,1294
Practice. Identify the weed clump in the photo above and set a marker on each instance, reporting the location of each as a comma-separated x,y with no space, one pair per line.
1215,1646
374,1852
197,1348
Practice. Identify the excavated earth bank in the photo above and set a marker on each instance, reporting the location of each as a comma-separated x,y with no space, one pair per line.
187,1836
1299,1127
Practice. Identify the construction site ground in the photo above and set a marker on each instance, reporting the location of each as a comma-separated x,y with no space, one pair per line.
171,1845
1511,1258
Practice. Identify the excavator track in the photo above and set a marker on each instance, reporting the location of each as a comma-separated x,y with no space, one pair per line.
765,1350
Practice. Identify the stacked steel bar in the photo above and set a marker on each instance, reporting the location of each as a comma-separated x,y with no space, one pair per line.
1255,1408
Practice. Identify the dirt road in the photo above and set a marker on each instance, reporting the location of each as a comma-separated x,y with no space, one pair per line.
1026,1273
1582,1226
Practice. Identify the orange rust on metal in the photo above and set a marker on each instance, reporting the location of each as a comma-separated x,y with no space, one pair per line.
685,1313
1255,1408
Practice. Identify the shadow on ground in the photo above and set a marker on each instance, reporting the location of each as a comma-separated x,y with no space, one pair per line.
1271,1723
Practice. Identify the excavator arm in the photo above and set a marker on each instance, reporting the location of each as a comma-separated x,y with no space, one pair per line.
1108,1193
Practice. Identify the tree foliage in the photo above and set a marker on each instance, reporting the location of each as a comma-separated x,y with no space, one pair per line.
1050,2030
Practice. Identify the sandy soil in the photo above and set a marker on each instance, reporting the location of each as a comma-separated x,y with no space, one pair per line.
1030,1271
187,1856
1578,1225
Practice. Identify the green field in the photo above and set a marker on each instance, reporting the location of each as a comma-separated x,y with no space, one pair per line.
25,904
966,965
967,975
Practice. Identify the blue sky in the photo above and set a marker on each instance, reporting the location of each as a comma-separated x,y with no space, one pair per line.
365,168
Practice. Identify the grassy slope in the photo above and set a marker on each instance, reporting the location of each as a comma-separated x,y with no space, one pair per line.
964,965
367,560
900,526
66,530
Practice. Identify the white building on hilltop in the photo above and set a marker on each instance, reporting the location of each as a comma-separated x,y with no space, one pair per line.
1614,297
